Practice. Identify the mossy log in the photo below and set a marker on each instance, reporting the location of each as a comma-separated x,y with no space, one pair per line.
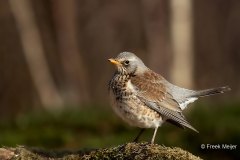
139,151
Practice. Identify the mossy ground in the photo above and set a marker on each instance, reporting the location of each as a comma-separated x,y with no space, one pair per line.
138,151
99,127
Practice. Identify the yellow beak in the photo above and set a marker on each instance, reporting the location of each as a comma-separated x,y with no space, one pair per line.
114,61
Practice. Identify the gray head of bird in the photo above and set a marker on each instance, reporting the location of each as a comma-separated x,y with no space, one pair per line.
128,64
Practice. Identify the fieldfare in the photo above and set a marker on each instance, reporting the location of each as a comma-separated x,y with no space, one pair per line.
145,99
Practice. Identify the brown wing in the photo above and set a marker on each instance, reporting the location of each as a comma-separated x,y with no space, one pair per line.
152,91
150,87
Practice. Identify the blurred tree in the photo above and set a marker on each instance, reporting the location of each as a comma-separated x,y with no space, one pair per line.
70,43
34,54
157,31
44,19
76,87
181,36
216,44
16,91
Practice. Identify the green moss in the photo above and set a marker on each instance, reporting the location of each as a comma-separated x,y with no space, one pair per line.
139,151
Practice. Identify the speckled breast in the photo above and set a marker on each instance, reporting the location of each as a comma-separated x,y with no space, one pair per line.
126,104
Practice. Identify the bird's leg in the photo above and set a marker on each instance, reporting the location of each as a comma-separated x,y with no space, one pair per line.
154,134
136,139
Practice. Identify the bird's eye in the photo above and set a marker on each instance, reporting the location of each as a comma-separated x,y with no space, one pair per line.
126,62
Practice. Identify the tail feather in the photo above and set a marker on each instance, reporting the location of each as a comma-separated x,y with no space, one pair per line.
193,96
212,91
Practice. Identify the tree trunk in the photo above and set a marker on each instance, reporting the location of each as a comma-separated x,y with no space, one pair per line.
34,54
181,35
155,18
64,13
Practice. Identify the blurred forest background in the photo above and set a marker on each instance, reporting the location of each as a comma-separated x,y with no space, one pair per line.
54,70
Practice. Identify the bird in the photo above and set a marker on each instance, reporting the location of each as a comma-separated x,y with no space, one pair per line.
145,99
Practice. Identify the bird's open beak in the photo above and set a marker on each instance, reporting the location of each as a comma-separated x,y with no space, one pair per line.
114,61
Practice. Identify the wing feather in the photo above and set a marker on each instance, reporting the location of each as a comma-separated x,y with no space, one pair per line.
150,87
151,90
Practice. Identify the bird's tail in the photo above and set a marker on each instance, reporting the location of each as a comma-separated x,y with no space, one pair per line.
212,91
